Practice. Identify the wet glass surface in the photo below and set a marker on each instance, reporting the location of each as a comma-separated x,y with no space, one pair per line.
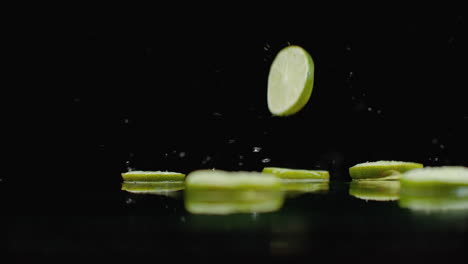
322,222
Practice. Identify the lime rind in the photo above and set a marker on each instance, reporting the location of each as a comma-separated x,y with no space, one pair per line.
153,187
297,174
226,180
382,170
152,176
290,81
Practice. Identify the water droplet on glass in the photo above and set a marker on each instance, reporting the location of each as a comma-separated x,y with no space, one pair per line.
182,154
127,165
266,160
256,149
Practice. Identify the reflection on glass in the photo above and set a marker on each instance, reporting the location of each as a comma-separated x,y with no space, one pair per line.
375,190
434,197
296,187
232,201
158,188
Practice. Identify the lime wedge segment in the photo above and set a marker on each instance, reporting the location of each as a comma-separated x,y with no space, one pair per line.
290,81
285,173
225,180
152,176
382,170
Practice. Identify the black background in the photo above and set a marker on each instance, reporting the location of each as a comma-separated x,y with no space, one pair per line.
107,99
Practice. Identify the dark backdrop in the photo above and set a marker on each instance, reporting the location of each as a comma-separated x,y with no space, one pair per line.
386,87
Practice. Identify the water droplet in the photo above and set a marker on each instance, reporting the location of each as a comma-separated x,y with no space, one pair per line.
241,157
442,146
126,120
436,159
1,180
129,201
182,154
265,48
166,154
435,141
369,109
231,141
182,219
127,165
379,112
217,114
266,160
206,160
256,149
351,74
353,97
289,43
348,47
240,164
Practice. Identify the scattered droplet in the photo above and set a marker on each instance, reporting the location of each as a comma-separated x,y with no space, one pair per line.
241,157
182,219
442,146
256,149
266,160
129,201
379,112
369,109
436,159
351,74
217,114
348,47
126,120
289,43
231,141
127,165
1,180
182,154
240,164
435,141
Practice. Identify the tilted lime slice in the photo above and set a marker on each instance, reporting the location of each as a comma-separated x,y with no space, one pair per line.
290,81
224,180
375,190
436,176
152,176
285,173
381,170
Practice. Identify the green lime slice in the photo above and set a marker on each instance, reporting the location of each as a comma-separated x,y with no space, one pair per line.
232,201
375,190
225,180
290,81
285,173
444,175
153,187
381,170
152,176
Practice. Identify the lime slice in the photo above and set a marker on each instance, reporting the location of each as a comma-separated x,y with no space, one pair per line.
375,190
224,180
290,81
285,173
381,170
152,176
438,176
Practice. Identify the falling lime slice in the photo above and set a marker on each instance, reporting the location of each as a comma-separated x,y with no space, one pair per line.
375,190
224,180
436,176
285,173
152,176
290,81
381,170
